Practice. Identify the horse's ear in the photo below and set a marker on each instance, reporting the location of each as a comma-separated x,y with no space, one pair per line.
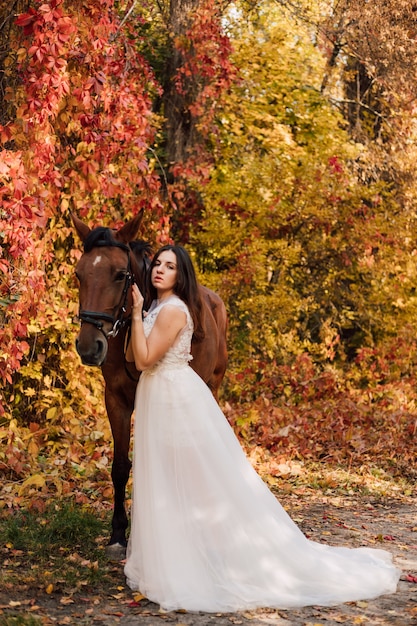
82,229
129,231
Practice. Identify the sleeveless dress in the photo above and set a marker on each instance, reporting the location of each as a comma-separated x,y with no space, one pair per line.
207,534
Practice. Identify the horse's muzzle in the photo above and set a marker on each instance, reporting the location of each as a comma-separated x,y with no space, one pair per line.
92,352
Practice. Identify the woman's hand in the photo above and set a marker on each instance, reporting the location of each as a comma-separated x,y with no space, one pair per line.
137,302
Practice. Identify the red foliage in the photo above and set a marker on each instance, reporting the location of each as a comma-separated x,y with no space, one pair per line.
206,51
83,123
313,414
204,76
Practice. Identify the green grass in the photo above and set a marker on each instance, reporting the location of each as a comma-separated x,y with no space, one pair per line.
60,526
60,548
19,620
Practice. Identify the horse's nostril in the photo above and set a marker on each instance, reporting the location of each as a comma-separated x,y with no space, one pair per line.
101,346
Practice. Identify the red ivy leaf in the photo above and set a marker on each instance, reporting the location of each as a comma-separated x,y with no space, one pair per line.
26,21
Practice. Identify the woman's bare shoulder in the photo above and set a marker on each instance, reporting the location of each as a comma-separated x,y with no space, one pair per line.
170,313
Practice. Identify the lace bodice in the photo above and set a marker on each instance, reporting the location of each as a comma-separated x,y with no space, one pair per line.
179,354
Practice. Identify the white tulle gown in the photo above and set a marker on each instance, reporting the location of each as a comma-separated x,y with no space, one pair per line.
207,534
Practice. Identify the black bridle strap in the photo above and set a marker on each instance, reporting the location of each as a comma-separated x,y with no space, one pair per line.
96,318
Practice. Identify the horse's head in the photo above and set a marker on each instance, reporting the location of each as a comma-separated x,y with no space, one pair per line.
106,270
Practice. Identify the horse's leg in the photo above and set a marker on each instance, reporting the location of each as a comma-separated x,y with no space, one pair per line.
119,411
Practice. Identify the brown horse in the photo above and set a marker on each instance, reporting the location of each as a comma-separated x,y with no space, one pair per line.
111,262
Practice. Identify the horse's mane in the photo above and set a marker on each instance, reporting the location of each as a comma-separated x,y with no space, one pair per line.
101,237
104,237
139,245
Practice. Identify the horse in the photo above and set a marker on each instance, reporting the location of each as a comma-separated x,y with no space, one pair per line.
111,261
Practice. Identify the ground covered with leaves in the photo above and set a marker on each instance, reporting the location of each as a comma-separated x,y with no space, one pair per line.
55,569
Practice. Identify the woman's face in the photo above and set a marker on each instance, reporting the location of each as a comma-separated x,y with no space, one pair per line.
164,272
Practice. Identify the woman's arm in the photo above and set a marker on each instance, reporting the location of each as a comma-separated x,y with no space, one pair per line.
169,322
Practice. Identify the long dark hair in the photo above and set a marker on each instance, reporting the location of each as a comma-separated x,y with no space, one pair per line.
185,288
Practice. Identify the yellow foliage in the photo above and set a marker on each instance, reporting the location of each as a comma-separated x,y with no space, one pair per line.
37,480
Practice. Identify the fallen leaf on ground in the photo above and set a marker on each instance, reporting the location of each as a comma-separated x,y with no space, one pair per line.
410,578
362,604
115,613
138,597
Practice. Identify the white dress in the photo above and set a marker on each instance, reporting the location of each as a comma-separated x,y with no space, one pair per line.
207,534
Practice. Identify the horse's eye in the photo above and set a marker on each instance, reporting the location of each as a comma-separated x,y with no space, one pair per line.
120,276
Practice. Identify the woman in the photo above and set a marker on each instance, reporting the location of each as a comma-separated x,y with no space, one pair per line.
207,534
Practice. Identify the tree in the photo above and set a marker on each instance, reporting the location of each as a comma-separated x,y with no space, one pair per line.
299,245
195,75
287,167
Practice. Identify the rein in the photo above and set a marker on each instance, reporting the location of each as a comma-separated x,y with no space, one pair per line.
97,318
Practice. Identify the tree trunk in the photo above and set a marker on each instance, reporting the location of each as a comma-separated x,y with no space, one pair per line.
179,127
9,35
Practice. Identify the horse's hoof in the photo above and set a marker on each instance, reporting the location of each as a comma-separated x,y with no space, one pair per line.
116,552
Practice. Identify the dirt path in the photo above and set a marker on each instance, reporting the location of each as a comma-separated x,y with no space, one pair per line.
352,521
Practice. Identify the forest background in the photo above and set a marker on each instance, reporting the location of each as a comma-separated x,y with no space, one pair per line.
276,141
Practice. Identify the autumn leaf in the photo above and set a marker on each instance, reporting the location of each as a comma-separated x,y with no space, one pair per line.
410,578
33,481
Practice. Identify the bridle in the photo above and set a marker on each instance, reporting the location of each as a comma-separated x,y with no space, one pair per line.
98,318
